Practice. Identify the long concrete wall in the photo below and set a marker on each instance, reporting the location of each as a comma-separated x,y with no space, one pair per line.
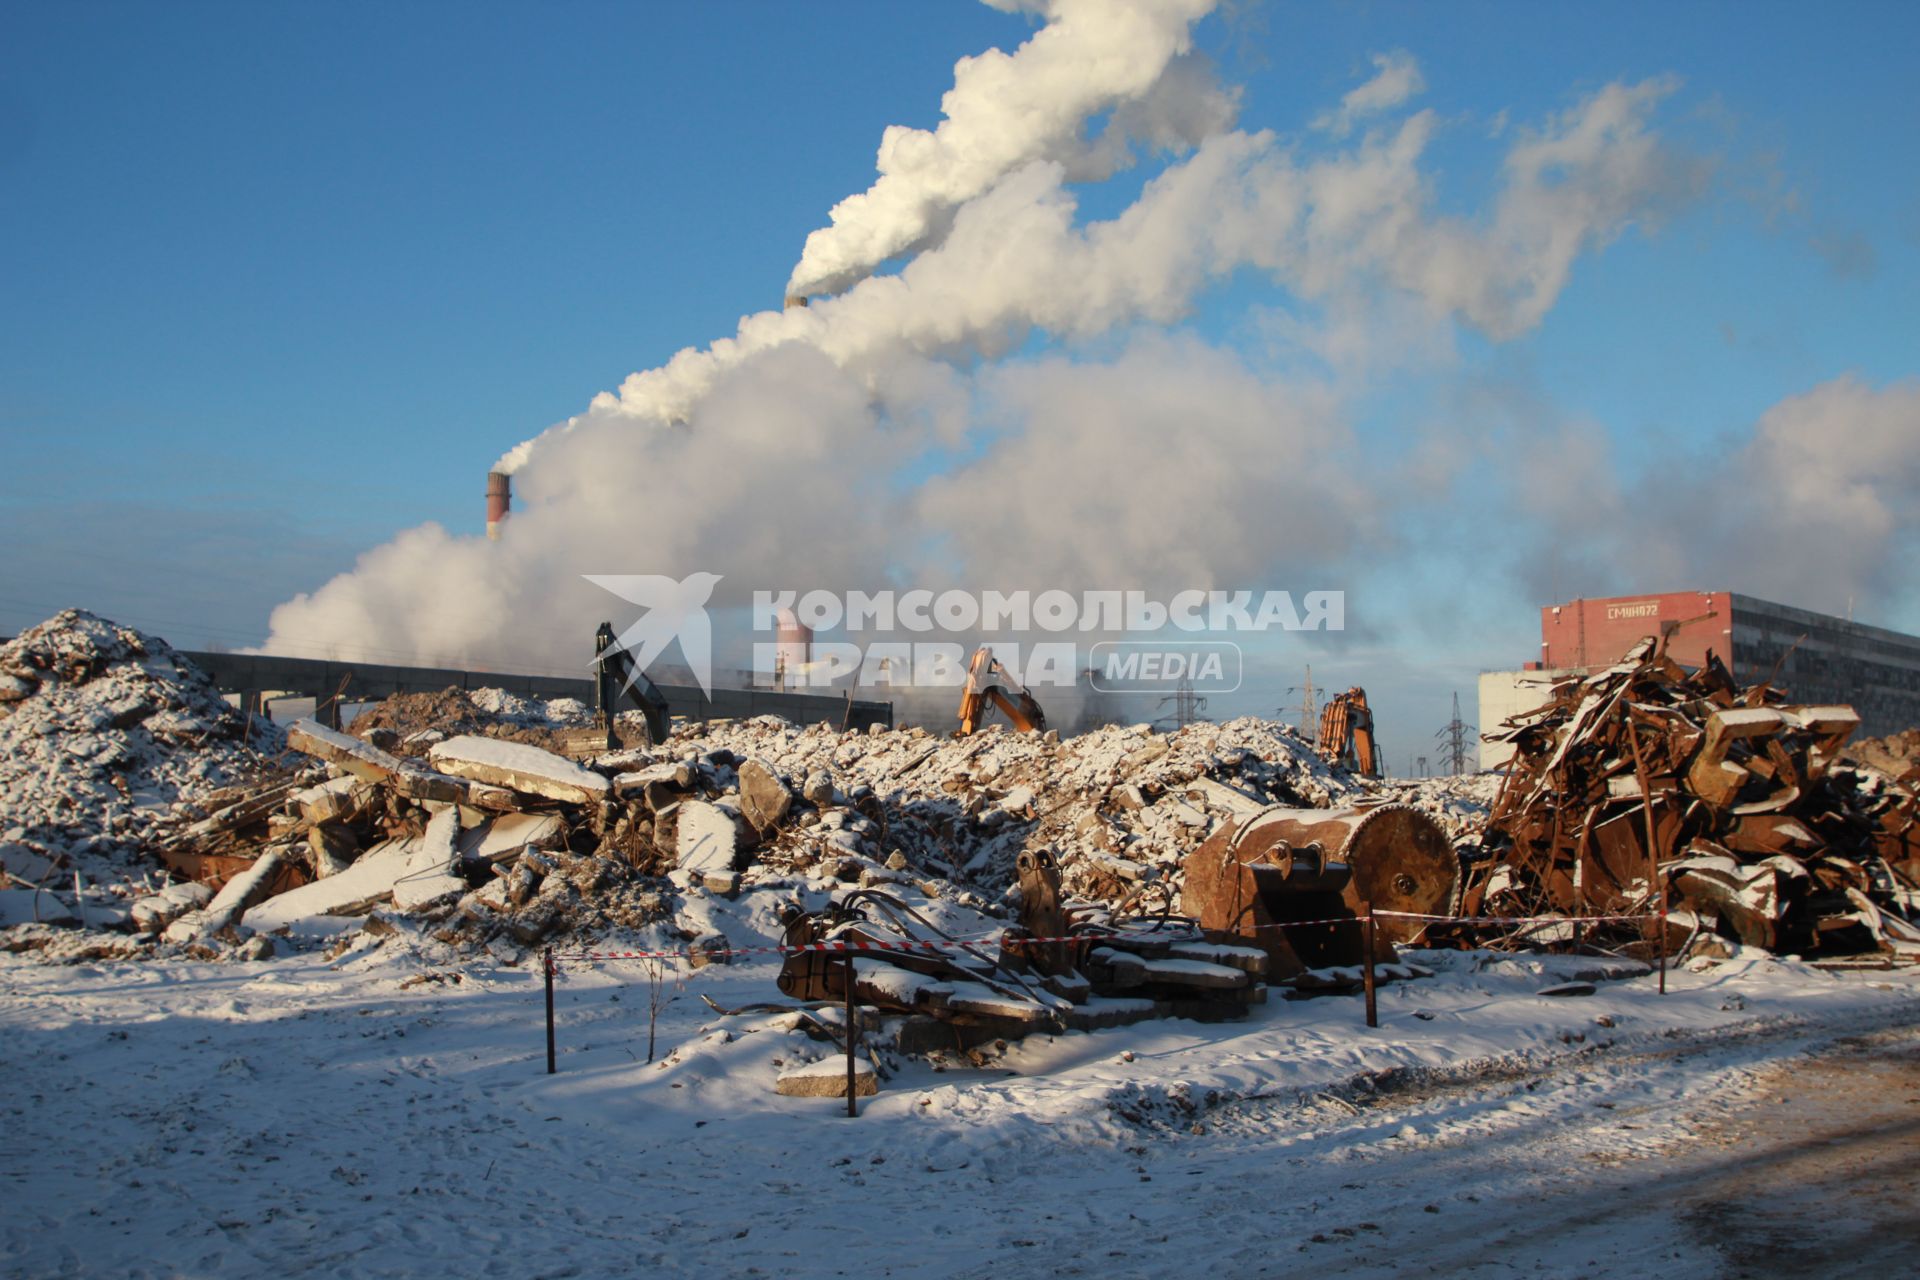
333,683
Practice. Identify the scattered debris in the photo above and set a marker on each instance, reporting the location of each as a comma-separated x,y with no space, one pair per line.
1758,831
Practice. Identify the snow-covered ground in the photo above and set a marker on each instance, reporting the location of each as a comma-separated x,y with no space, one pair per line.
382,1114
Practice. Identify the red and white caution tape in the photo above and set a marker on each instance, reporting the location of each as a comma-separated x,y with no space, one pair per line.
1514,920
882,946
717,952
860,948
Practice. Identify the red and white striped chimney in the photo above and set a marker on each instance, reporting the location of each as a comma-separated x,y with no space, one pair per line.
499,501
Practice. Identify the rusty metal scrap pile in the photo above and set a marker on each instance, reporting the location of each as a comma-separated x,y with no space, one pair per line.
1761,834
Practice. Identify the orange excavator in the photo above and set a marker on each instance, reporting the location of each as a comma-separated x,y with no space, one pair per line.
1346,733
989,685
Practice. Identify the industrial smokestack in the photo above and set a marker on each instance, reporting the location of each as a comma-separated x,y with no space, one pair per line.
794,300
499,501
793,649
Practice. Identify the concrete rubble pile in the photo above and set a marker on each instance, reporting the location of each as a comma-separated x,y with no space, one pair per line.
1119,807
106,736
1761,833
482,837
481,821
488,839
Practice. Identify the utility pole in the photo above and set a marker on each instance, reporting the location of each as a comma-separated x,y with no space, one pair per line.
1455,739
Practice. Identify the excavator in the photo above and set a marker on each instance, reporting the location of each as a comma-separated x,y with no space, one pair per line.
1346,733
989,685
614,677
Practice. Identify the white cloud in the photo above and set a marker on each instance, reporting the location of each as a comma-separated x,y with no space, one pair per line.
1396,78
1818,505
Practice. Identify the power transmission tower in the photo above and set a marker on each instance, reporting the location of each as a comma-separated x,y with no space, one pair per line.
1420,771
1309,713
1455,739
1187,705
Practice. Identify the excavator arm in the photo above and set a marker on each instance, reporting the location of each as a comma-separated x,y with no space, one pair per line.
990,685
1346,733
614,677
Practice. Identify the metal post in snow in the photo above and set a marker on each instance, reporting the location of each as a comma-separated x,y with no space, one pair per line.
1367,930
547,962
1653,854
852,1031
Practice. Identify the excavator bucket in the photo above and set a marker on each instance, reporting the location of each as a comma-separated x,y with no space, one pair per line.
1400,859
1255,882
1043,913
1248,887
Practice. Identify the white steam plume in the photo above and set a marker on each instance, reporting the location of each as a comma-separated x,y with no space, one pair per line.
859,441
1132,60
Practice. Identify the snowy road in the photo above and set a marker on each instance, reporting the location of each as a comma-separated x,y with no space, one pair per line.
304,1117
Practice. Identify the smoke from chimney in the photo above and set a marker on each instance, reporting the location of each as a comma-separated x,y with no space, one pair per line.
881,434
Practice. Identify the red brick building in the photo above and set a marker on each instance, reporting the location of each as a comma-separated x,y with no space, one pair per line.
1815,657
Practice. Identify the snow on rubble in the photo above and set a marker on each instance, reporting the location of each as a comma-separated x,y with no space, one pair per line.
1115,802
105,734
549,847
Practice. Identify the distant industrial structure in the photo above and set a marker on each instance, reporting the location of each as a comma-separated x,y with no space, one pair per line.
1815,657
257,680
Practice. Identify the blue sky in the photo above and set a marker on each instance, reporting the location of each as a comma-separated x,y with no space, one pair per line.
280,280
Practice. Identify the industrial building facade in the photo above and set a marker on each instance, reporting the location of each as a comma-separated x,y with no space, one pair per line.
1814,657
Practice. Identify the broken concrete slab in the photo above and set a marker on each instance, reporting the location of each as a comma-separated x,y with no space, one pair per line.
827,1078
29,906
504,837
155,912
1218,795
429,875
705,839
358,889
250,888
638,780
764,798
368,762
519,767
335,800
